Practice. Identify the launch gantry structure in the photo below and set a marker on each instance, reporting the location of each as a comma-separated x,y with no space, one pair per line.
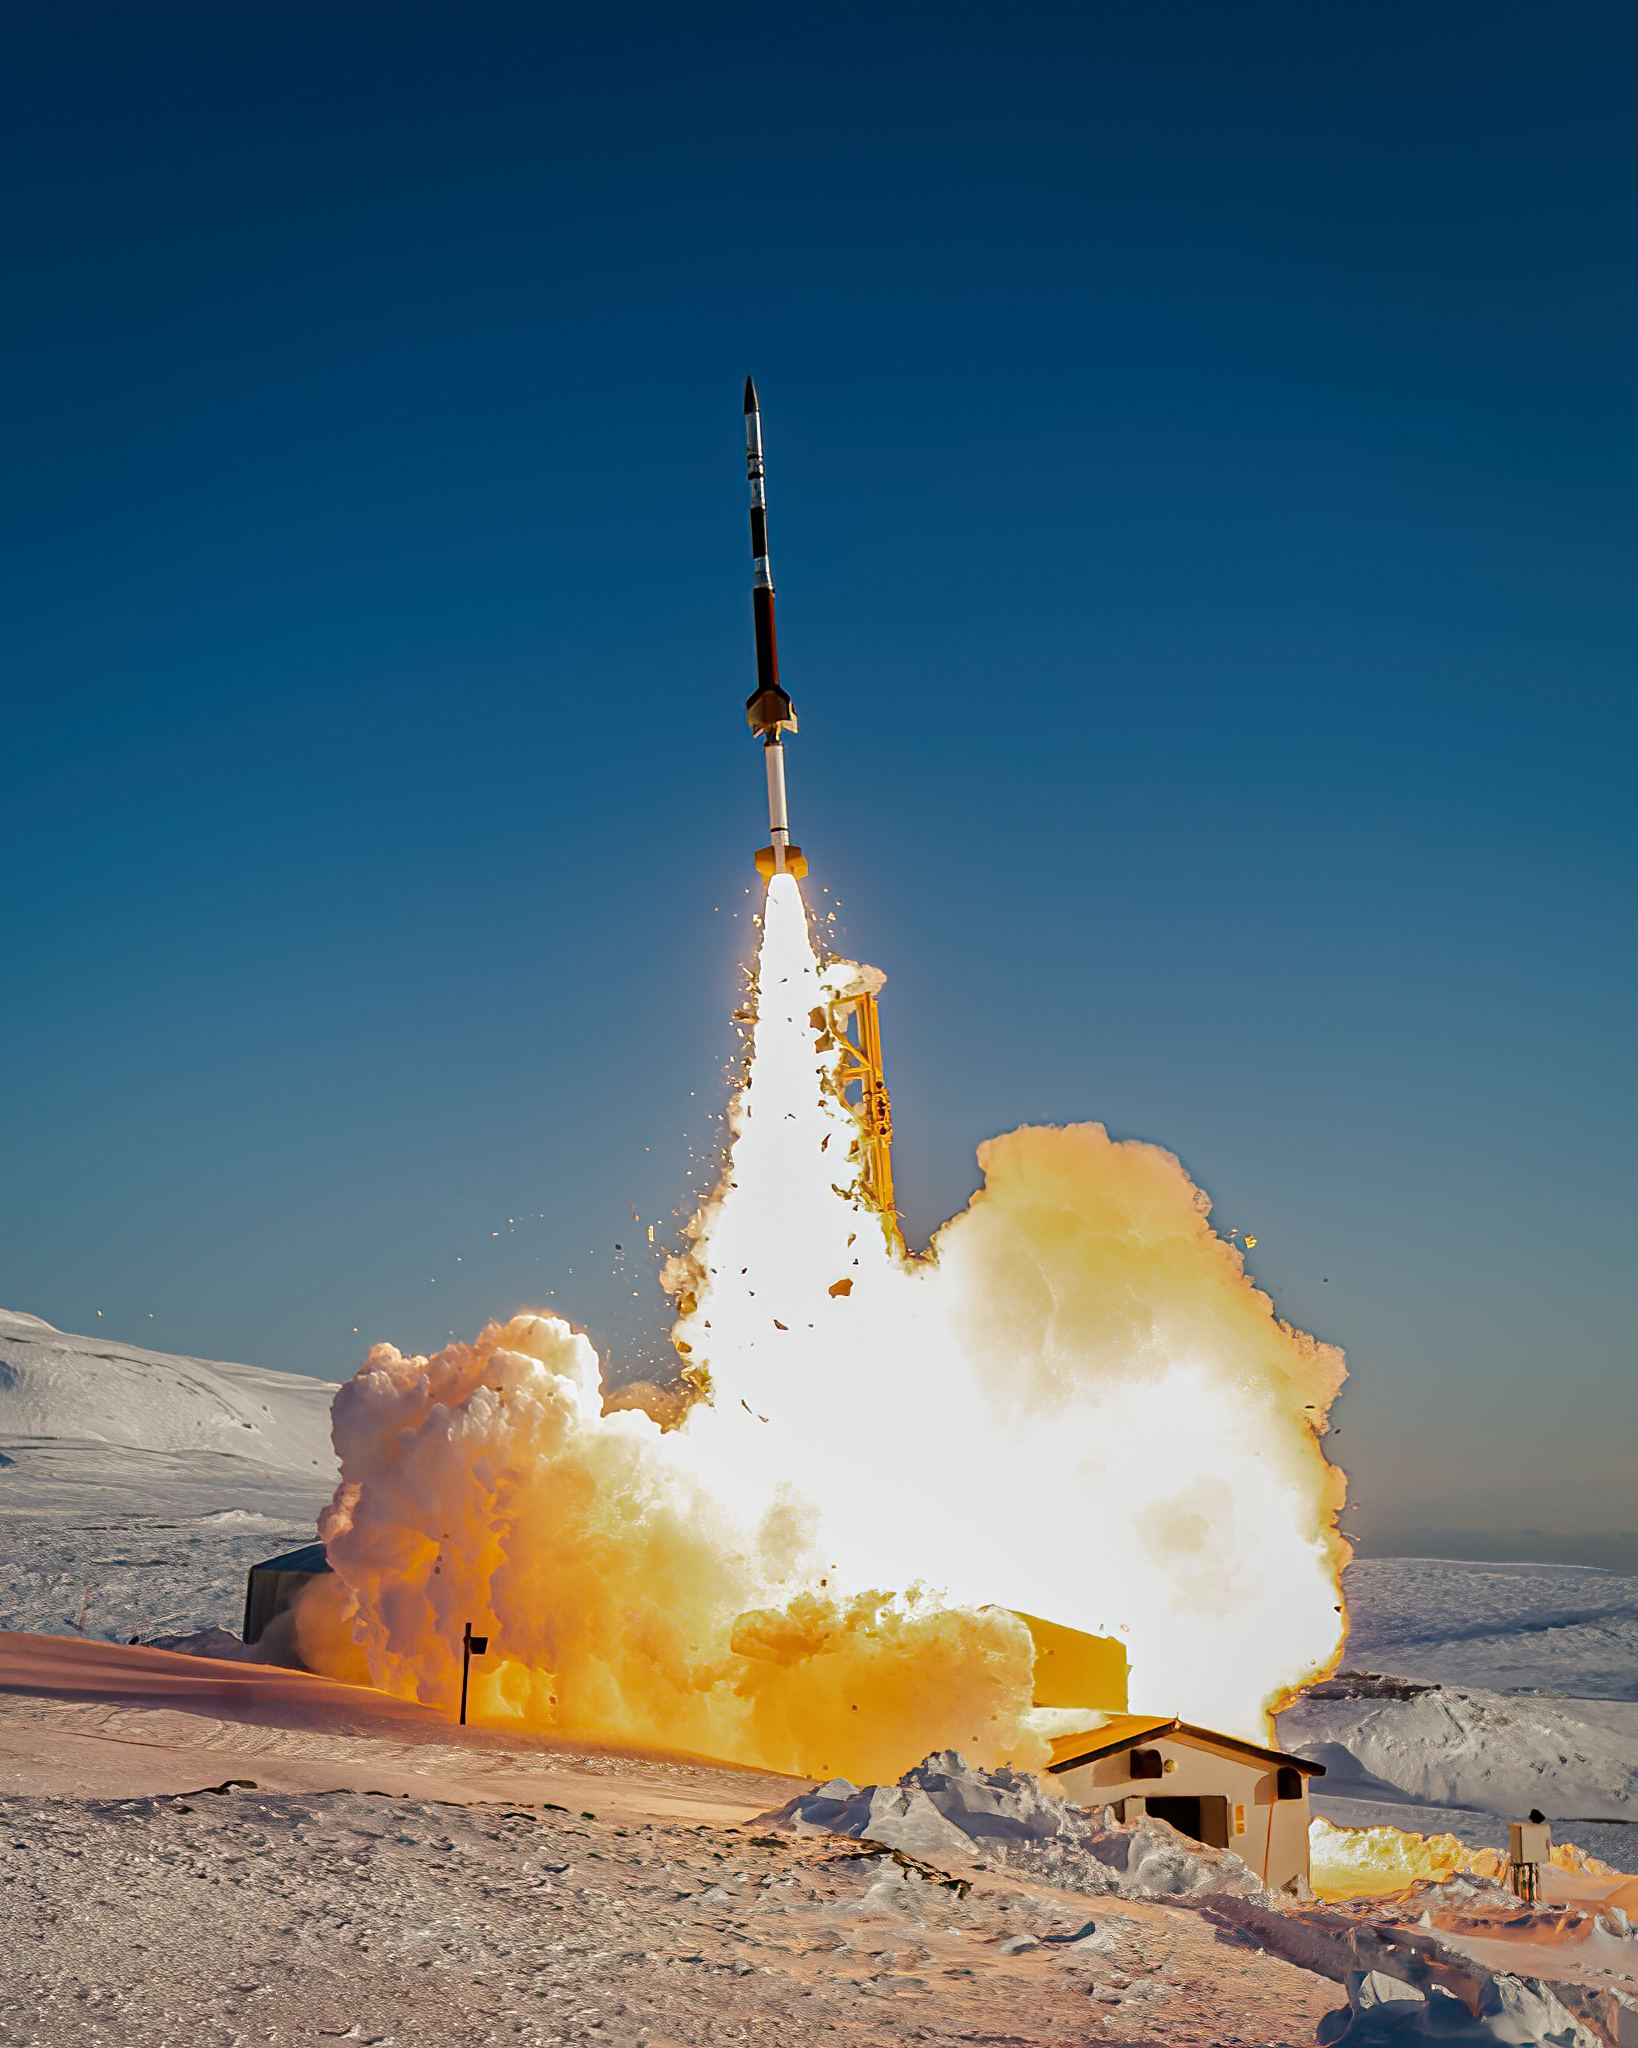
854,1024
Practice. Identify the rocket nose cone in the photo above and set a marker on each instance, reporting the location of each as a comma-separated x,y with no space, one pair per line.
750,397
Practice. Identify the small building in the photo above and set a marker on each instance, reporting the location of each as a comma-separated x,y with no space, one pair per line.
273,1584
1221,1791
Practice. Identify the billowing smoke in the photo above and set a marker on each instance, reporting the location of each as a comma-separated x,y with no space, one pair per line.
483,1485
1079,1405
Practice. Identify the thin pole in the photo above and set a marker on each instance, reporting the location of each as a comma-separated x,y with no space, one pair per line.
466,1666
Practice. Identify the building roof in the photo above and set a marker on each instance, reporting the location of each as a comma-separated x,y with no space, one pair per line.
1208,1738
1116,1732
1126,1731
310,1558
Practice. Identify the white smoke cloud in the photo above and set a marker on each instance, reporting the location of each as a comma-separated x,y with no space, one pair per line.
1079,1406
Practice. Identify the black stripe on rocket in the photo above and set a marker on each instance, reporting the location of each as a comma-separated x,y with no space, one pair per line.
768,710
767,718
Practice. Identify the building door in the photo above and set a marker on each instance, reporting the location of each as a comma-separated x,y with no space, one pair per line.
1204,1819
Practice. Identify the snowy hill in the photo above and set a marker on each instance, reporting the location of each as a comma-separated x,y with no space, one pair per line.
135,1488
56,1386
146,1433
1512,1686
1449,1746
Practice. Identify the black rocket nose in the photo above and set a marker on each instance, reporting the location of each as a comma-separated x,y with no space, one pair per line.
750,397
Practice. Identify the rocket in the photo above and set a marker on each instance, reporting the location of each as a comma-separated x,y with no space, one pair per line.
768,710
770,715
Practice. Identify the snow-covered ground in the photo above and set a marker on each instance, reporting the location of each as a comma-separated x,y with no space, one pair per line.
136,1488
1570,1630
254,1916
142,1577
1520,1690
206,1881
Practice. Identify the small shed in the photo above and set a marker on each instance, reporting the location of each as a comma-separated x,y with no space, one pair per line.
274,1583
1221,1791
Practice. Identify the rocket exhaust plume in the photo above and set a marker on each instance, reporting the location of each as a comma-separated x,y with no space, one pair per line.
484,1485
1077,1405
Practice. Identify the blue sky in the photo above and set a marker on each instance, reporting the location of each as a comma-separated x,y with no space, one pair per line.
1201,452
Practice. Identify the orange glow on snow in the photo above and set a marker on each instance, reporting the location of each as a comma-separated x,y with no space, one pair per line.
1379,1862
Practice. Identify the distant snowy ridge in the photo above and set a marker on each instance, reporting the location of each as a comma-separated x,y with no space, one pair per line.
54,1386
1565,1629
92,1427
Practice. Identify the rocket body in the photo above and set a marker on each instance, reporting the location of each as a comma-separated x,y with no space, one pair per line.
768,710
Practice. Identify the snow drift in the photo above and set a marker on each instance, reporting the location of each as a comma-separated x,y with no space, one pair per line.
944,1807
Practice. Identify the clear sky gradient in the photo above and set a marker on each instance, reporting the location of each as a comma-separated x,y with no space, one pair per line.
1201,466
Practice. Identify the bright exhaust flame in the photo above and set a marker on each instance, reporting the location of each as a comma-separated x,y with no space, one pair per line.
1079,1406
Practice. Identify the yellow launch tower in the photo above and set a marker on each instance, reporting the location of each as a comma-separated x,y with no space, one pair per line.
854,1024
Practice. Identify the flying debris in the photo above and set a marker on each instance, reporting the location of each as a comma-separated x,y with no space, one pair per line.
768,710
